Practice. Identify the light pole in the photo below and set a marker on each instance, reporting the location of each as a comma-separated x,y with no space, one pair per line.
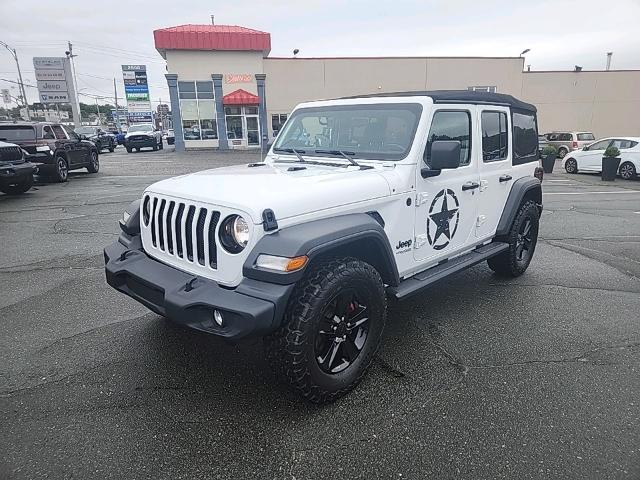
522,53
13,52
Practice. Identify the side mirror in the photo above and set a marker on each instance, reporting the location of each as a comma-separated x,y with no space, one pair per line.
585,148
445,155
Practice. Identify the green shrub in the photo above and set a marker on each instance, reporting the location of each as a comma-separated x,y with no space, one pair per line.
612,152
549,150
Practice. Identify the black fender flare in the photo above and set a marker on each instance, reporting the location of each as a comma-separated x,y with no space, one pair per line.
355,234
523,188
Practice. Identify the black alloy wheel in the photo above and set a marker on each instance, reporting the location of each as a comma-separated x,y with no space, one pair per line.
524,241
94,163
62,169
342,332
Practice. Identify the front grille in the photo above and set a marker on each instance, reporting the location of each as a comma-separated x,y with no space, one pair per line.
10,154
137,138
185,231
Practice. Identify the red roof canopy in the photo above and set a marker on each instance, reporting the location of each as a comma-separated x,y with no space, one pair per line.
212,37
240,97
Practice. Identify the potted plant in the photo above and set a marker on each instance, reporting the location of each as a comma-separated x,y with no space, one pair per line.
549,155
610,163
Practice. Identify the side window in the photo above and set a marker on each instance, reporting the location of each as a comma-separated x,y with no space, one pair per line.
601,145
71,133
525,138
623,144
47,133
566,137
451,125
494,136
58,132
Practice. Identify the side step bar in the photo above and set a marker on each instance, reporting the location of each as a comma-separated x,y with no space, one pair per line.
427,278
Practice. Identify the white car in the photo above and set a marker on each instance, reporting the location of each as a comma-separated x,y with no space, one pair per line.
143,135
359,199
589,159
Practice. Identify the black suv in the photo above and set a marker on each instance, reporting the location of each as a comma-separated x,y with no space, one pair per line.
57,148
103,140
16,174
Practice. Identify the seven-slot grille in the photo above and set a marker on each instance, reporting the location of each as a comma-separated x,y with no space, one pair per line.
183,230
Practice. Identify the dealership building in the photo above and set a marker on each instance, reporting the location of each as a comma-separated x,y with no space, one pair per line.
227,92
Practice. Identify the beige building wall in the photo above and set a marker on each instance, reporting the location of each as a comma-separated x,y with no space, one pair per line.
605,103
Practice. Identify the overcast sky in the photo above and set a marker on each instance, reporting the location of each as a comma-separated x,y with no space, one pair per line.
105,35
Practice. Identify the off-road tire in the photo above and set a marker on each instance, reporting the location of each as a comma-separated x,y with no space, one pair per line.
562,152
129,149
507,263
627,171
94,163
17,188
155,147
571,165
291,349
61,172
112,148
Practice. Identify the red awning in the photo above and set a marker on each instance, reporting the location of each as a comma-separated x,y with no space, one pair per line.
240,97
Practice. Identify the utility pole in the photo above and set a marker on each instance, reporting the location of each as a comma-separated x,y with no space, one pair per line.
13,52
115,94
98,110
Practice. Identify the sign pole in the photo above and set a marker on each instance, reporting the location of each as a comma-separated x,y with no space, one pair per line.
73,96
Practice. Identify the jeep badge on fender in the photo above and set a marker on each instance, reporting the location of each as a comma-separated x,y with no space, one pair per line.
304,248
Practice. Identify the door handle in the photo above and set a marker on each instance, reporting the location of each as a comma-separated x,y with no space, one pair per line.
505,178
470,186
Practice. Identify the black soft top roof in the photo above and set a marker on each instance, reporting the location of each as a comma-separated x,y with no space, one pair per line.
458,96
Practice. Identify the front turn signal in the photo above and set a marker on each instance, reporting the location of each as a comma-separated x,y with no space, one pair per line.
281,264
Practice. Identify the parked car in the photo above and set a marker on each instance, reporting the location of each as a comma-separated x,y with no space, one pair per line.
103,140
589,159
171,137
566,142
304,248
57,148
16,173
143,135
542,142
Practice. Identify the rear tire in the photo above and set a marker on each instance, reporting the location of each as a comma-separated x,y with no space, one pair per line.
571,166
522,240
628,171
331,330
17,188
562,152
94,163
61,173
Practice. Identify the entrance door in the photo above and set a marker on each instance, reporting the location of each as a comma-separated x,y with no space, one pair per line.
446,204
253,130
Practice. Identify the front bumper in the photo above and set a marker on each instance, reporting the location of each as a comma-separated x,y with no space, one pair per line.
140,143
253,308
11,172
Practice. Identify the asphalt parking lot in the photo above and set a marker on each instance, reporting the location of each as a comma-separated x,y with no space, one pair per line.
478,378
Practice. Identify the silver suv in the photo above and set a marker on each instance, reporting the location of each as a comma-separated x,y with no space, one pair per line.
566,142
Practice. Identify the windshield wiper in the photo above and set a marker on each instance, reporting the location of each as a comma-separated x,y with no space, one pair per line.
346,155
294,151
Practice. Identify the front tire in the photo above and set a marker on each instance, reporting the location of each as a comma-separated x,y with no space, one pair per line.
161,146
331,330
522,240
94,163
571,165
628,171
129,149
17,188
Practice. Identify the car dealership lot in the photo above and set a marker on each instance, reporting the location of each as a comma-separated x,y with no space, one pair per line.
480,378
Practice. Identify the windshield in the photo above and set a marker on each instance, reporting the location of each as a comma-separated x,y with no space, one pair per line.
16,133
376,131
85,130
141,128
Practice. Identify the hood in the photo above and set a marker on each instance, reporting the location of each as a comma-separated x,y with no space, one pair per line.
146,132
287,193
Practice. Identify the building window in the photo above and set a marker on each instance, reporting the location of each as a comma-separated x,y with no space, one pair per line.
277,121
451,125
494,136
198,110
483,88
525,138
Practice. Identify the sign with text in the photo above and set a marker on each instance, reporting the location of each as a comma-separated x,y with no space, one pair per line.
51,97
48,63
136,91
6,98
51,78
50,74
238,78
52,86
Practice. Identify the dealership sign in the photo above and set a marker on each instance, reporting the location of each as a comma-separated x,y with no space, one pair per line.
52,80
136,91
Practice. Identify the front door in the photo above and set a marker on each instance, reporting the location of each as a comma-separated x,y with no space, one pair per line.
591,159
446,204
253,130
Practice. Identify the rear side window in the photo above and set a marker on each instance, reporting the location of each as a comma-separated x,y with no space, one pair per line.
566,137
525,138
494,136
451,125
59,132
584,137
17,133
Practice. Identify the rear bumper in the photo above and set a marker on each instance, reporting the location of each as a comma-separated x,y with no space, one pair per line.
251,309
12,172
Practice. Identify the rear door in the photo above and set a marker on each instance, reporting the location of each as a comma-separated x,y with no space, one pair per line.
446,204
496,176
64,143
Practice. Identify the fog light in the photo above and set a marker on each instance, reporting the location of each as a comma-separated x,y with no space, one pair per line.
217,316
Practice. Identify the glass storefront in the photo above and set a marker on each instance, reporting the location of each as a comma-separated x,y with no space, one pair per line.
198,110
243,127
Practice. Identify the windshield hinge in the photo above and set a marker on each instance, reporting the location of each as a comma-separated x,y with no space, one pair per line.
421,240
421,198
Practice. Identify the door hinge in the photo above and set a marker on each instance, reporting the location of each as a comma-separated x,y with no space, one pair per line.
421,198
480,220
484,184
420,240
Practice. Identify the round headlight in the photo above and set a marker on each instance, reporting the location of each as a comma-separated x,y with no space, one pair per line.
234,233
146,211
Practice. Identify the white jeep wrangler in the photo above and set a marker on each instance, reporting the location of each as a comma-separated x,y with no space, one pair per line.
358,200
